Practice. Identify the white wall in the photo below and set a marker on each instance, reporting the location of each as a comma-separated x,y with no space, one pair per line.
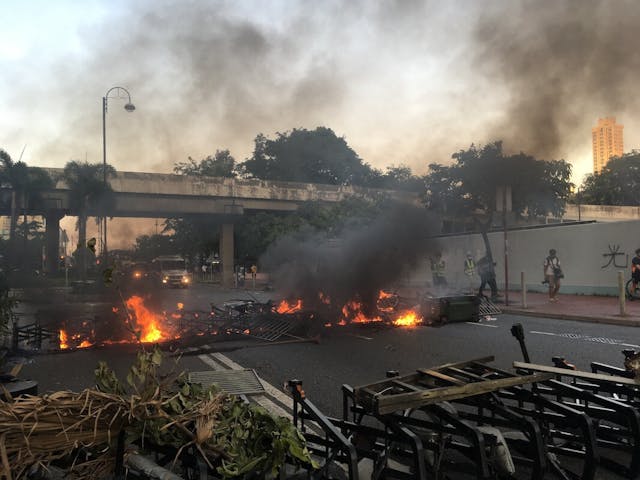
584,251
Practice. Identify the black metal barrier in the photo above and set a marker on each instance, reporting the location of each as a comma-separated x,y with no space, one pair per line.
471,420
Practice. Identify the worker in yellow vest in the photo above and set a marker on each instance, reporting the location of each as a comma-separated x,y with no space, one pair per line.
438,271
470,270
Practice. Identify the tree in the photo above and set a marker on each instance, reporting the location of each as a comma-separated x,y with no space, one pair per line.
397,178
317,156
617,184
88,193
221,164
258,232
148,247
27,184
467,189
194,237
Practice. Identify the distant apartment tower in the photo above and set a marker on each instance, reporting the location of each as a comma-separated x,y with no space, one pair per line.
607,142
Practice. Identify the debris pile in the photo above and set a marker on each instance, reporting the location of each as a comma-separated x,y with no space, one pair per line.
85,435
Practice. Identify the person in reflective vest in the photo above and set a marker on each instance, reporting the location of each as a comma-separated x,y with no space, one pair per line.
470,270
437,271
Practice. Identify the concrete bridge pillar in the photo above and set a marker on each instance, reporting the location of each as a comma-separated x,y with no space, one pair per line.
52,240
226,254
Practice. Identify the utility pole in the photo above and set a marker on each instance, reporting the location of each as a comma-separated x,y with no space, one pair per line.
503,204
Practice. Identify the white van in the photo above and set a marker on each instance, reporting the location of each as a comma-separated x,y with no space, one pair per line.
172,271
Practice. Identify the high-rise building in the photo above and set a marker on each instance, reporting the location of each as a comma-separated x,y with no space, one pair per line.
607,142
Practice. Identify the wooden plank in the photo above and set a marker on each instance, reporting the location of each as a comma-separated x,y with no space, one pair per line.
441,376
489,358
578,373
392,403
470,375
387,382
407,386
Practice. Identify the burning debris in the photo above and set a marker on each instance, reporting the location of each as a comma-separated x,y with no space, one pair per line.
135,322
329,274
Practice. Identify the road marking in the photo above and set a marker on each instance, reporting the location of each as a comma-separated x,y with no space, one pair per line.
543,333
588,338
361,337
211,362
482,324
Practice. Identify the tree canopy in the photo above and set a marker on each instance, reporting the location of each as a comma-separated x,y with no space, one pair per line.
87,192
617,184
468,188
257,232
27,184
221,164
301,155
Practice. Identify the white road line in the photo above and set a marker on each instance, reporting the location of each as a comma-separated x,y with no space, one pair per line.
272,406
587,338
361,337
482,324
211,362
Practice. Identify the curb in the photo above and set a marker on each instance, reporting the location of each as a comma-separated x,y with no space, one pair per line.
610,320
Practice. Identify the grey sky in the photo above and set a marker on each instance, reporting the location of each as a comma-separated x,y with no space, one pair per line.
405,82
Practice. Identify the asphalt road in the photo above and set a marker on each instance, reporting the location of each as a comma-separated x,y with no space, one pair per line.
354,355
360,355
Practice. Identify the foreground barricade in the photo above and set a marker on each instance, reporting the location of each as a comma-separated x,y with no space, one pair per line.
472,420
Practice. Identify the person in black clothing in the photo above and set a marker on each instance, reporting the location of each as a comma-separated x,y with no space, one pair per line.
635,269
487,276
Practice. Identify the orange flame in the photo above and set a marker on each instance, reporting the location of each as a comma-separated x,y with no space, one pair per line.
324,298
148,322
385,302
408,318
62,336
76,341
352,311
286,307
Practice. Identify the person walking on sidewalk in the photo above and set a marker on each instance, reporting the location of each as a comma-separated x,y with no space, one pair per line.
486,269
635,270
553,274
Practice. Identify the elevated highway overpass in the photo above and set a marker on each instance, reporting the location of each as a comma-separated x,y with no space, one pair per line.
157,195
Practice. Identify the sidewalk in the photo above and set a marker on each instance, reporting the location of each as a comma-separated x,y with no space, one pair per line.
585,308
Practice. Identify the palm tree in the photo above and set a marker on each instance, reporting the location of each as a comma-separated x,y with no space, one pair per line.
88,193
14,175
38,180
27,184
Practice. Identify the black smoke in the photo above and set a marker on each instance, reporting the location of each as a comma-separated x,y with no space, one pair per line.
561,65
355,266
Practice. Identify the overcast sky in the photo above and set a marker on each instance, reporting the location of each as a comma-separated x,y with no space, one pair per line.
405,82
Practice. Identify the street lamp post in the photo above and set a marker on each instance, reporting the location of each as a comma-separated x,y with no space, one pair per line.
123,93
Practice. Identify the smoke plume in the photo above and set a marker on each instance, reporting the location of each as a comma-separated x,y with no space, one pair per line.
355,266
561,65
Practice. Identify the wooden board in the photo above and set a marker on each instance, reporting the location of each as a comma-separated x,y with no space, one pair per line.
445,382
577,374
384,404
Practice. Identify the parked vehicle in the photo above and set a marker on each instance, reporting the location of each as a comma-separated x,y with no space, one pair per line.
138,272
171,271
